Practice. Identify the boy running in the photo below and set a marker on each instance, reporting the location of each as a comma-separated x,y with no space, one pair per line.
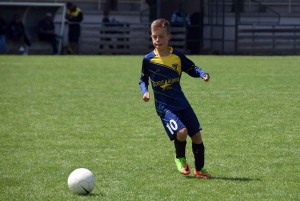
164,67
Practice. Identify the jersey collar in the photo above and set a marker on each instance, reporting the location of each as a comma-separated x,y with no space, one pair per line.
170,49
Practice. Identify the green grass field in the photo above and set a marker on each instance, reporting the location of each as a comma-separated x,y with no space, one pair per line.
61,113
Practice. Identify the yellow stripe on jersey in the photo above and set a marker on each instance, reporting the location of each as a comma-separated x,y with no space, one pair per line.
74,13
171,61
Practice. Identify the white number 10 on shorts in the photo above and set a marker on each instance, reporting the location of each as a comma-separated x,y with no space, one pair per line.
172,126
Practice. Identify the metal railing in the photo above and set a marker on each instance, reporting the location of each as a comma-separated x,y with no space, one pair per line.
249,4
269,39
122,38
98,2
285,3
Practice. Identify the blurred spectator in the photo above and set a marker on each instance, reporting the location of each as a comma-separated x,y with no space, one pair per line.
179,17
107,23
47,32
113,23
74,16
17,33
2,35
106,19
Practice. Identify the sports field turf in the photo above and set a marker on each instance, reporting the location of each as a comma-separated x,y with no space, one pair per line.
61,113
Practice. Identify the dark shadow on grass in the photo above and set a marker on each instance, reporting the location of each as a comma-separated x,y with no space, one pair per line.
236,179
227,178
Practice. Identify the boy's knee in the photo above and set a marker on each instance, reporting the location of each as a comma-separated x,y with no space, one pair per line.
197,139
182,134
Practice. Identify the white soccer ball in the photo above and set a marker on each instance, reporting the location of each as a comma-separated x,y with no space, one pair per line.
81,181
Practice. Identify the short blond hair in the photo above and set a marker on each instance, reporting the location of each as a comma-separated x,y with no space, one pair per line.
161,23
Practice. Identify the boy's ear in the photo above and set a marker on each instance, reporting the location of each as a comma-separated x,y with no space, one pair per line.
169,37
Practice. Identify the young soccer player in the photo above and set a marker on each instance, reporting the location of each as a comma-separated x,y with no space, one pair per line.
164,67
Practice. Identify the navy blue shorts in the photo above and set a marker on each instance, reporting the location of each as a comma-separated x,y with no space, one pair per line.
177,120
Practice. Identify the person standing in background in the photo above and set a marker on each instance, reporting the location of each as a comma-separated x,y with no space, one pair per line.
179,17
74,16
17,33
47,32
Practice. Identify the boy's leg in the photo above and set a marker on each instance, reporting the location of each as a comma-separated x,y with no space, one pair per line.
193,126
176,131
198,150
180,147
180,143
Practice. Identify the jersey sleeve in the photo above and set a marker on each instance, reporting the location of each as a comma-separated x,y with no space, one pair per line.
190,68
144,80
78,17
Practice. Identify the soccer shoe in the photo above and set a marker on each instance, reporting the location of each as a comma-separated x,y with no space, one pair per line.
203,173
182,166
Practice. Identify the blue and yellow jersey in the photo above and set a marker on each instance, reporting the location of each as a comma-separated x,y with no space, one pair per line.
164,74
76,15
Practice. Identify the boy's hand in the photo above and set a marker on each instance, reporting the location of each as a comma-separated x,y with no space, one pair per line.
206,78
146,97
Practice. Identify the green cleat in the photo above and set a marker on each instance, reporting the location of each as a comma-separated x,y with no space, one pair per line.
182,166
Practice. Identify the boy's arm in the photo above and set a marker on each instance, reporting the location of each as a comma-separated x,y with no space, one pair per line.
144,82
194,71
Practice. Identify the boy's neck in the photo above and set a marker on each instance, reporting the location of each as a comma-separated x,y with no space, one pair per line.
163,53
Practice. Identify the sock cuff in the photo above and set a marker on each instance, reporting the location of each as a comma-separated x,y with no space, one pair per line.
197,145
179,142
180,148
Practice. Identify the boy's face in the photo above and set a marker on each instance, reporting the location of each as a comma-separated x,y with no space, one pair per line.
160,38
